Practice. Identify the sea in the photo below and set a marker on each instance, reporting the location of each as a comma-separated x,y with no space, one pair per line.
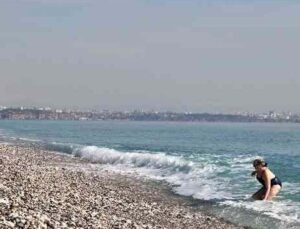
208,163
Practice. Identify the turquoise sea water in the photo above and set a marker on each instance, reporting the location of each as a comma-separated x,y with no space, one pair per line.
210,162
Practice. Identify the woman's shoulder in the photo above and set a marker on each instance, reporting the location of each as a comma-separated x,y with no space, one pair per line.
268,173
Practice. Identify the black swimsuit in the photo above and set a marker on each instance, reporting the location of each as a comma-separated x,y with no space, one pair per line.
274,181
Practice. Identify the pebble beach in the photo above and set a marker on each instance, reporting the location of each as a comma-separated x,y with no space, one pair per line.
42,189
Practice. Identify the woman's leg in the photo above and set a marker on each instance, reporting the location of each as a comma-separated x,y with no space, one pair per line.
274,191
259,195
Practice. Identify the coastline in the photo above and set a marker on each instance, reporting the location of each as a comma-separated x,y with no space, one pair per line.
43,189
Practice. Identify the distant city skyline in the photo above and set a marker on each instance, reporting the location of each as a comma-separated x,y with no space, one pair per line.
77,109
48,113
197,56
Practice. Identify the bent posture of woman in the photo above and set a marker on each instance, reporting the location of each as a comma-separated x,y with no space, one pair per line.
271,183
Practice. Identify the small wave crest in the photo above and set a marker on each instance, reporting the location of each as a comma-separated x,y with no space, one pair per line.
133,159
59,147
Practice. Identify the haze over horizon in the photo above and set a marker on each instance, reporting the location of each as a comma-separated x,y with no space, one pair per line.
197,56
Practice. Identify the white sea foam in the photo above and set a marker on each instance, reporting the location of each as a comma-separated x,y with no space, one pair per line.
28,140
241,159
284,211
189,178
133,159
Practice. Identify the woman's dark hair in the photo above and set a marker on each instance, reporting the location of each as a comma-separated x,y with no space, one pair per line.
260,162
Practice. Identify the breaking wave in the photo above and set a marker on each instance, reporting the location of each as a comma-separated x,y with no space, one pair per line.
188,178
133,159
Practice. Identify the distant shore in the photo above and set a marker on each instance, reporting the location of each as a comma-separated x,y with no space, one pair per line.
50,114
42,189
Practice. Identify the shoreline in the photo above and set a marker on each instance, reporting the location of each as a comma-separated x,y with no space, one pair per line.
45,189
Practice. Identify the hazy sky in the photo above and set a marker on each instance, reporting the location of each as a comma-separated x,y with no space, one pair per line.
174,55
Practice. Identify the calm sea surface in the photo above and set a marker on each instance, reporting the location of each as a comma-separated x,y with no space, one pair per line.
210,162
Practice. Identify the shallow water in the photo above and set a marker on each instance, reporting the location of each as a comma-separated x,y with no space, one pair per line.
207,161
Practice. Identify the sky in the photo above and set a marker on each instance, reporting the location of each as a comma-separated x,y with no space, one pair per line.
175,55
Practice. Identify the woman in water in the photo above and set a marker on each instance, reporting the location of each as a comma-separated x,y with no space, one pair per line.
271,183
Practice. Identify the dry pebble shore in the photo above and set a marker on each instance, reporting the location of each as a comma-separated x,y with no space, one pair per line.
41,189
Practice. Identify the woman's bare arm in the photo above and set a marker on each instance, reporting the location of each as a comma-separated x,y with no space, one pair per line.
267,180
